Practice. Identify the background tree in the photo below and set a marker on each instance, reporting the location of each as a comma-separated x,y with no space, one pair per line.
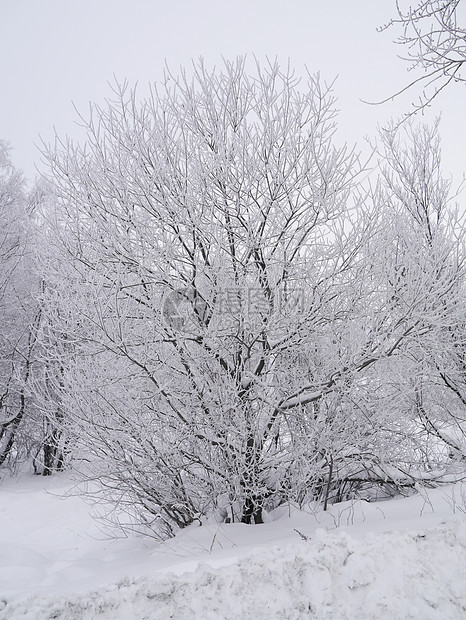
19,315
435,39
28,423
430,253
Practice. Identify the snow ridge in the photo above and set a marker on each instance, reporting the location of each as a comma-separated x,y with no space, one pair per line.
330,576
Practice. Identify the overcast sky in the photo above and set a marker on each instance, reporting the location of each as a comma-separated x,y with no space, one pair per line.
55,52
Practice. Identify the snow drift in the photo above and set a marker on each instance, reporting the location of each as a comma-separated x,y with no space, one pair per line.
333,575
398,559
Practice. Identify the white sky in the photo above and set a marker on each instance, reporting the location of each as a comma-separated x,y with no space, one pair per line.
55,52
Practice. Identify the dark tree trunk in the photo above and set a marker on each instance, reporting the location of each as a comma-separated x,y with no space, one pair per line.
252,511
8,438
8,430
53,453
252,506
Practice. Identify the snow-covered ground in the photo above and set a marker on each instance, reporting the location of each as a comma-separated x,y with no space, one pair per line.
403,558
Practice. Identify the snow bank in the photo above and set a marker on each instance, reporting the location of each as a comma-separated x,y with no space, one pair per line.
333,575
402,558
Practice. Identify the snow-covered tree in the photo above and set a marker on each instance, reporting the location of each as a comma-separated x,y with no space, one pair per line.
29,429
218,283
429,256
434,35
19,314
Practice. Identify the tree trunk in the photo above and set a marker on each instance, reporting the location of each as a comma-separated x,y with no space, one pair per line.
252,506
252,510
